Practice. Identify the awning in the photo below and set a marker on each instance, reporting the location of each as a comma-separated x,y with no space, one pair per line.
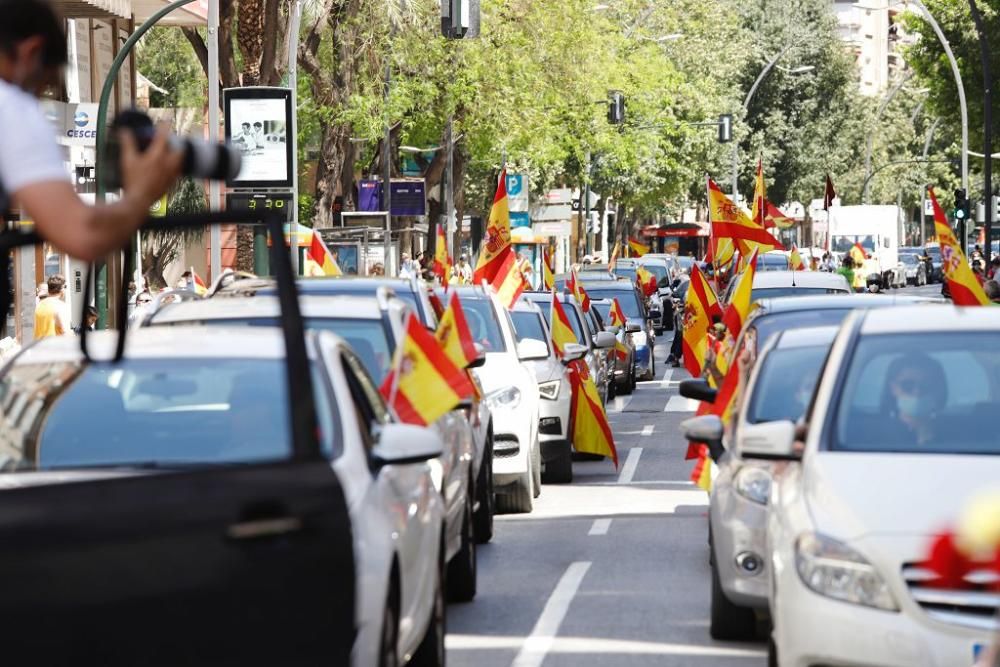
192,14
679,229
94,9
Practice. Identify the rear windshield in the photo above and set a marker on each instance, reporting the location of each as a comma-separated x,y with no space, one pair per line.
626,272
149,412
768,325
774,292
626,296
529,325
483,324
785,384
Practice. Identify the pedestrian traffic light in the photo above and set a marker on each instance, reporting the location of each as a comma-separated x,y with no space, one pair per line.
616,107
961,205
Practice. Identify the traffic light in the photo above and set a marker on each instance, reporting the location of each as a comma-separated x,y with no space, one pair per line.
616,107
961,206
725,128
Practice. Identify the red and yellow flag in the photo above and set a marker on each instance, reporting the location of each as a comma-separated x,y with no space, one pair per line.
199,285
576,289
497,240
637,247
720,252
613,259
616,315
730,221
560,328
759,196
701,475
591,432
774,217
442,262
454,335
646,280
962,283
700,306
509,282
858,254
548,269
319,259
795,259
424,384
739,303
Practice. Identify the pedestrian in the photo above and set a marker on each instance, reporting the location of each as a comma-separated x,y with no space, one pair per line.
32,173
89,321
377,269
977,270
143,302
828,264
991,272
847,270
52,313
992,289
464,271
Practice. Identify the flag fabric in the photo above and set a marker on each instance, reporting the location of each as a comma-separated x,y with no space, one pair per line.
739,303
795,259
759,196
637,247
319,259
509,282
613,259
424,384
199,285
728,220
580,294
497,240
646,280
829,194
720,252
774,217
700,306
616,315
701,475
559,327
591,432
962,283
548,269
858,254
454,335
442,262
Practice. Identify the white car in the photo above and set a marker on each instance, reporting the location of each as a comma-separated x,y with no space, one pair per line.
901,432
512,394
771,284
554,388
374,326
174,489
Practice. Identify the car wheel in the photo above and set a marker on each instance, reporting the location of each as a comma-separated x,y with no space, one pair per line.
431,653
463,567
728,621
517,499
483,518
651,374
536,469
560,469
389,641
612,387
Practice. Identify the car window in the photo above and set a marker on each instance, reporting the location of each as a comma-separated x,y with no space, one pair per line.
928,393
785,383
368,405
626,272
571,315
658,270
772,323
184,411
603,308
628,299
483,324
528,324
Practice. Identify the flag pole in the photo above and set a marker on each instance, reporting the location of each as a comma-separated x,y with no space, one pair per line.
713,243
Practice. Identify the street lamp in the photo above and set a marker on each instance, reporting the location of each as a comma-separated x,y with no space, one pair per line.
801,69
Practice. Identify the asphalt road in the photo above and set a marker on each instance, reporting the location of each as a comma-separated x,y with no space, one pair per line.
611,569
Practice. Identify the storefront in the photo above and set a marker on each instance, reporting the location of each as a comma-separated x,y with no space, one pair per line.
680,238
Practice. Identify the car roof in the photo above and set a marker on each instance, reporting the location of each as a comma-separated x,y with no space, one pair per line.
341,284
180,342
523,305
787,304
356,307
806,337
927,319
616,285
766,279
536,297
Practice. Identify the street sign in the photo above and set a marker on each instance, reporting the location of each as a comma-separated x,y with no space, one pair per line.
519,219
517,192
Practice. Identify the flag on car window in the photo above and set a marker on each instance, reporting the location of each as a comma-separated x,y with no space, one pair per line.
740,299
580,294
616,316
637,247
700,306
591,433
442,262
509,282
701,475
646,281
795,259
492,254
720,252
424,384
199,285
613,259
454,335
548,269
319,259
562,331
965,288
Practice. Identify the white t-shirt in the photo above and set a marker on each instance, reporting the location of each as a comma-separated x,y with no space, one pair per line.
28,150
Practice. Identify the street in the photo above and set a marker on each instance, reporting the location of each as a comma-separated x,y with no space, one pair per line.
611,569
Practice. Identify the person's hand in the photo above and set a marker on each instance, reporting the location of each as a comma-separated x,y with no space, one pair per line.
147,175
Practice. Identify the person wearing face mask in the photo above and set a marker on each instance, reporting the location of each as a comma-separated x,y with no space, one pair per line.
915,391
32,174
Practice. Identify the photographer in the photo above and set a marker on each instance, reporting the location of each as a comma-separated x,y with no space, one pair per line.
32,174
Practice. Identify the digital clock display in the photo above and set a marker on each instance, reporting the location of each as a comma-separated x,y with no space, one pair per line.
265,203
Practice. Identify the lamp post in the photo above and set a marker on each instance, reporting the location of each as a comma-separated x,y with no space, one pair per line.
871,133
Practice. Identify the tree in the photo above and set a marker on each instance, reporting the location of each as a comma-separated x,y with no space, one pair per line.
161,248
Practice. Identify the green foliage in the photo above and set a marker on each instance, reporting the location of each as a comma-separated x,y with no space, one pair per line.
188,197
166,58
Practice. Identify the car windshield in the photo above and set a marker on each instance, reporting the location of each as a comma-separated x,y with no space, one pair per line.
571,315
528,325
686,262
910,260
367,337
921,393
774,292
772,262
626,297
933,252
658,270
483,324
785,384
148,412
626,272
345,287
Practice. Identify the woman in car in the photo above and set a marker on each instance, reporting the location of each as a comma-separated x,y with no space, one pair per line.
915,390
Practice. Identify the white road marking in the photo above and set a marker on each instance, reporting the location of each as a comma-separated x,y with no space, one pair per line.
666,376
619,404
647,430
600,527
681,404
599,646
631,463
538,644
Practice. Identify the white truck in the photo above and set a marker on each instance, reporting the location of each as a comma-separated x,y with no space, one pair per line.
876,229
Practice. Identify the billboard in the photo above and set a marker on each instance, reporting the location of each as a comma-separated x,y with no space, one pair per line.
257,122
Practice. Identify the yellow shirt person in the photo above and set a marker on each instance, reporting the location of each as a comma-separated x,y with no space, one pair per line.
52,313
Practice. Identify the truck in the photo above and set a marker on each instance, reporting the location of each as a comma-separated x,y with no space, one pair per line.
876,229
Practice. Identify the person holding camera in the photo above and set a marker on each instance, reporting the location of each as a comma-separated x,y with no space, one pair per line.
32,174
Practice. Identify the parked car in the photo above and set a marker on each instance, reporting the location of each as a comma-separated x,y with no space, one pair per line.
900,390
916,269
173,499
625,373
554,389
374,327
511,392
634,306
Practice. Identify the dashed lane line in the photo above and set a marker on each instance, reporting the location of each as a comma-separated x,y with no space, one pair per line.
631,463
647,430
538,644
681,404
600,527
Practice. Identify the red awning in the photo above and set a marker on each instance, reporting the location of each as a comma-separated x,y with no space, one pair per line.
682,229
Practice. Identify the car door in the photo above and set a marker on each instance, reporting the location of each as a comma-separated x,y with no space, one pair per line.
230,564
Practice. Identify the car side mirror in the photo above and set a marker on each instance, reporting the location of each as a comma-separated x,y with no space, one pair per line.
707,429
769,441
530,348
698,389
573,351
403,444
480,359
613,328
632,327
604,340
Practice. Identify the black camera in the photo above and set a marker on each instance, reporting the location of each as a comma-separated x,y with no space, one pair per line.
217,162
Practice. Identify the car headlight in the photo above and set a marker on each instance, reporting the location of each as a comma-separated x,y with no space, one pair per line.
754,484
833,569
549,390
504,398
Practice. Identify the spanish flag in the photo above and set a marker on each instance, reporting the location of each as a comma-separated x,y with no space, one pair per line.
637,247
858,254
454,335
700,306
576,289
548,269
965,288
795,259
560,328
720,252
591,432
774,217
319,260
442,262
613,259
199,285
702,473
646,280
491,254
424,384
616,315
509,283
730,221
759,196
739,303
